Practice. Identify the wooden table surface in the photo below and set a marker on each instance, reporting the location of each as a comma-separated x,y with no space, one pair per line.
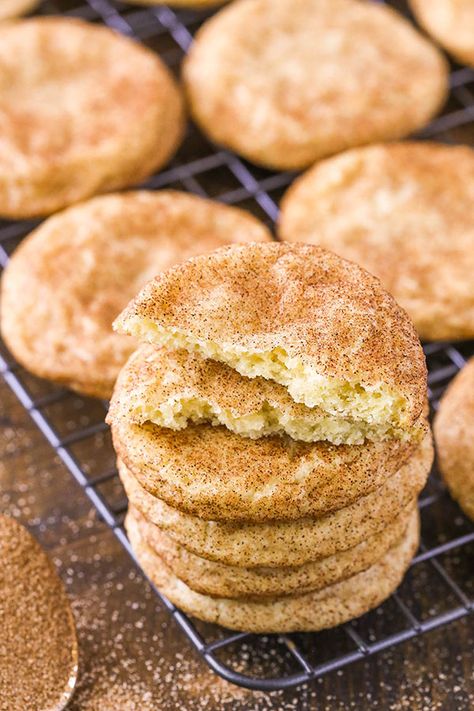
132,655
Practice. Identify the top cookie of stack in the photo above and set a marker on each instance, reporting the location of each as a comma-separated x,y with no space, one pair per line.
323,341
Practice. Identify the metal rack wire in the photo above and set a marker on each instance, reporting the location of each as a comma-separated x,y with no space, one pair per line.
438,588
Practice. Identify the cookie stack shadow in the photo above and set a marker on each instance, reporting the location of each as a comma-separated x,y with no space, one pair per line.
234,519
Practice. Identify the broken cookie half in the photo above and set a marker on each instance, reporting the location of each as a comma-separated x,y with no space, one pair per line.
173,389
325,352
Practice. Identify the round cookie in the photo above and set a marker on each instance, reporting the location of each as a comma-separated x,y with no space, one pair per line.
295,314
174,388
219,580
330,74
14,8
215,474
84,110
454,437
70,278
404,212
449,22
286,543
325,608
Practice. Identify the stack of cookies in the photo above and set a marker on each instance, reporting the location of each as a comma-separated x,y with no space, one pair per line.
272,438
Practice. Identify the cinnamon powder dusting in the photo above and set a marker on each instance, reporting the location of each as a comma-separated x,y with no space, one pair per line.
38,647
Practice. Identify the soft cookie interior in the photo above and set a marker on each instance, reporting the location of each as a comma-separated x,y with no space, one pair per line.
374,409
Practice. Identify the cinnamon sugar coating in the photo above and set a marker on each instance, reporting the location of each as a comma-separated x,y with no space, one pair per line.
175,388
220,580
298,315
404,212
69,279
329,75
286,543
454,436
310,611
38,645
84,111
215,474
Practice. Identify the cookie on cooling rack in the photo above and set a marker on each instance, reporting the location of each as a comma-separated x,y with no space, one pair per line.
325,608
213,473
454,436
298,315
84,111
449,22
220,580
286,543
287,83
175,388
15,8
70,278
404,212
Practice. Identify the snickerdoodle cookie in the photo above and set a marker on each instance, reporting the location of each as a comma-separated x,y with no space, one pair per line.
83,110
298,315
70,278
175,388
213,473
404,212
14,8
220,580
286,543
454,437
329,607
451,23
287,83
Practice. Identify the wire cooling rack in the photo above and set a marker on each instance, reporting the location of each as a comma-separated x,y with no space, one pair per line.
439,587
